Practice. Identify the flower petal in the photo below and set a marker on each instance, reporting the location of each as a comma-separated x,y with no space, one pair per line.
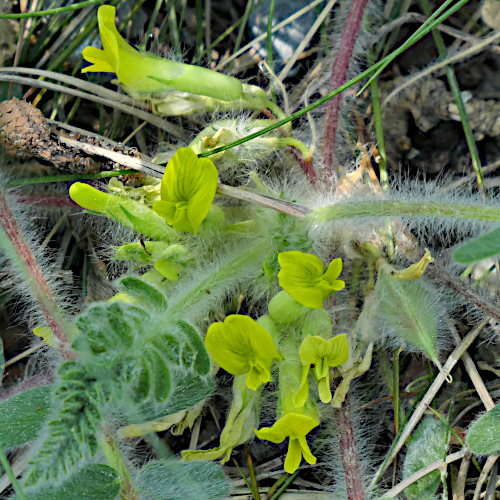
295,426
259,374
337,350
191,180
98,58
271,434
111,40
293,456
311,348
333,271
228,349
323,354
299,276
306,452
325,393
165,209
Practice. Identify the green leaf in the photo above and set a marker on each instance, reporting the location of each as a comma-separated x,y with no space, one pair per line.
145,293
173,480
202,361
111,326
161,384
189,391
70,436
160,365
479,248
428,444
483,437
94,482
22,416
407,307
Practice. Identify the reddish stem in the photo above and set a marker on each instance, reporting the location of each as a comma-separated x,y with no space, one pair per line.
307,167
349,450
339,73
47,200
40,287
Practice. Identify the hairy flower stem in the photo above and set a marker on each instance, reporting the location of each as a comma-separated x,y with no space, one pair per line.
16,247
349,451
115,459
221,276
399,208
338,78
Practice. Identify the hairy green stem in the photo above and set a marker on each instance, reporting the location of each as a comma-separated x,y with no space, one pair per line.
386,208
296,143
115,459
233,268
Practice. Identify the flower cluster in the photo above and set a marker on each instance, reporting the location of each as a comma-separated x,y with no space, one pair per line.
242,346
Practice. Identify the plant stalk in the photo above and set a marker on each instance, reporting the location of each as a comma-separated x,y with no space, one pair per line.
400,208
338,78
115,459
349,451
17,248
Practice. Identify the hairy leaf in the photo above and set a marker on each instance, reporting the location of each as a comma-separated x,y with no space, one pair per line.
112,326
202,360
429,443
22,416
70,437
479,248
160,365
95,482
145,293
173,480
483,437
406,306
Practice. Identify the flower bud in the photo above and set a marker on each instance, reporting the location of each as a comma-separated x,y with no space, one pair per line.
284,309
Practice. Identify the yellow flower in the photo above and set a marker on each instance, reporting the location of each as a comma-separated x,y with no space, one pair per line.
145,73
295,427
187,190
302,276
321,354
240,345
